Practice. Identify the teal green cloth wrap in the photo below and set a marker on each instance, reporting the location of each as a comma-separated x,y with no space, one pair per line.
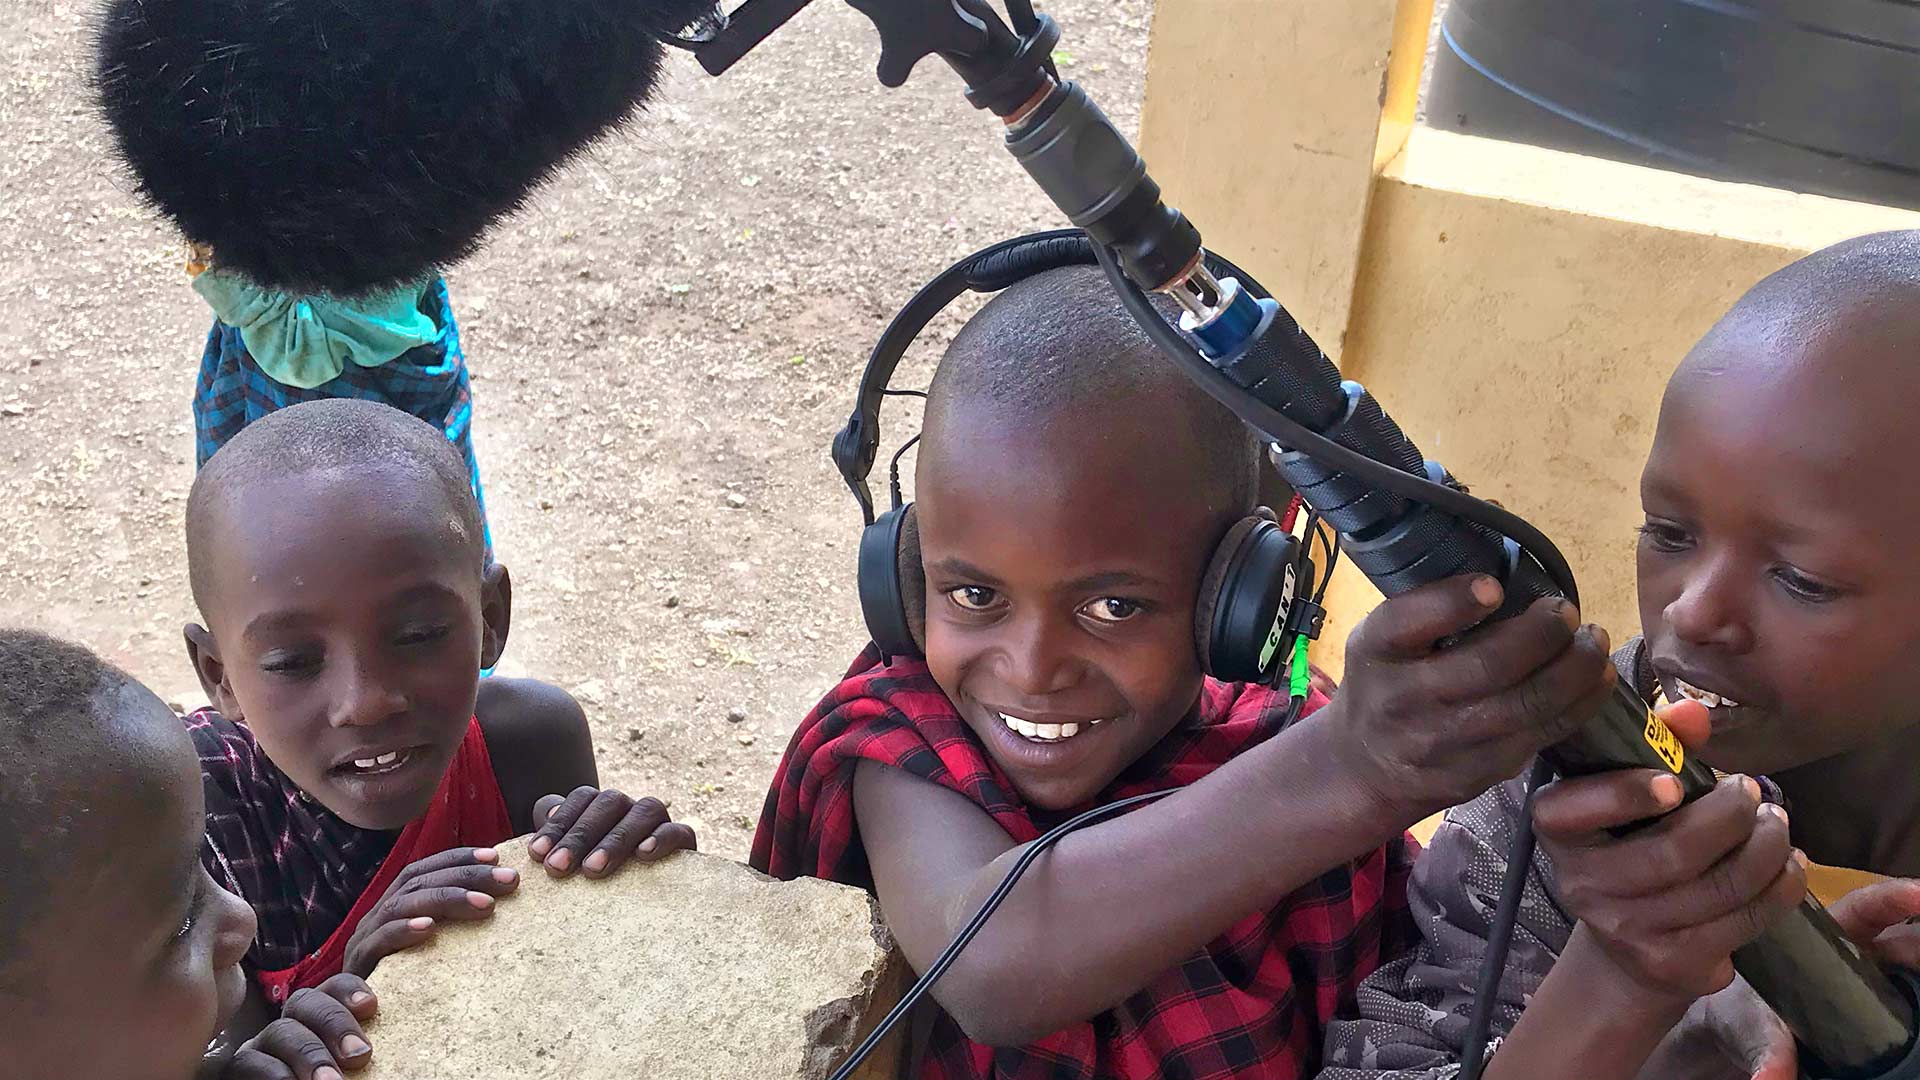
305,341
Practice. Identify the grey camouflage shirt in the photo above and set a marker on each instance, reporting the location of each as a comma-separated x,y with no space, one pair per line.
1410,1019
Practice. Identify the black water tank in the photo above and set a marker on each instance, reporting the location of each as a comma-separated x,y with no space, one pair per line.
1808,95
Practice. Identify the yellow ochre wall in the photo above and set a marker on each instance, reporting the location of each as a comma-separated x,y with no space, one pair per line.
1517,310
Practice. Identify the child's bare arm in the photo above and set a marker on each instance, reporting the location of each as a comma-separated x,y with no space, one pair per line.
1116,905
540,743
542,750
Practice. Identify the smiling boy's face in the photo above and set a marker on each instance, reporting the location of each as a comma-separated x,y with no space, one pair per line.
1779,567
349,620
1063,558
135,965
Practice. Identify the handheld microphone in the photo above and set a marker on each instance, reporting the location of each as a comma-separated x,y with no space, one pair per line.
345,146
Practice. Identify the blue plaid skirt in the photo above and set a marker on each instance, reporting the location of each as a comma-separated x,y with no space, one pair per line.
430,382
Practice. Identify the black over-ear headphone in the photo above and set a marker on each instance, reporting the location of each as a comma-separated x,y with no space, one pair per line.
1253,599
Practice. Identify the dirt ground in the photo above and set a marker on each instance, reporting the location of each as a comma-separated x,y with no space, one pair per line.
678,321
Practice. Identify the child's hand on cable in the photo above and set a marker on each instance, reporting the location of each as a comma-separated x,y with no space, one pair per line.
459,885
1669,903
318,1036
1430,727
598,831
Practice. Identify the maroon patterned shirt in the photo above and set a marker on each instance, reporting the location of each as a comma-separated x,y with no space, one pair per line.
299,866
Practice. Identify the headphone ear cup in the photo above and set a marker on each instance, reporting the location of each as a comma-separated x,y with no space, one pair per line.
1212,587
884,582
1239,622
913,580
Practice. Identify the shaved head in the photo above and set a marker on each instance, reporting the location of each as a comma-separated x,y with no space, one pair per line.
1858,300
1057,351
335,434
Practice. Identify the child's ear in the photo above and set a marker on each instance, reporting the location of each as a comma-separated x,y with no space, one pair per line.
496,613
204,654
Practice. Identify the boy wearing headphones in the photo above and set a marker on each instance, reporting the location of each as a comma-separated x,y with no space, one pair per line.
1777,570
1079,504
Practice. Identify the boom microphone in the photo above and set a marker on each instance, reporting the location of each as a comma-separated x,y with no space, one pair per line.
344,146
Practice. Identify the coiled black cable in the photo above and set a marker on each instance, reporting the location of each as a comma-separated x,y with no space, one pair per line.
1279,426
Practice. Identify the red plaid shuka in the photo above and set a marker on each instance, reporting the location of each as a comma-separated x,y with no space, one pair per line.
309,876
1253,1004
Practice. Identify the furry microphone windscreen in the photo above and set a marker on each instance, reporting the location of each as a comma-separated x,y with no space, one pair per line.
343,146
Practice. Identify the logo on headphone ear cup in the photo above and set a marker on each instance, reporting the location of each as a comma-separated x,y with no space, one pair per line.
1239,624
893,586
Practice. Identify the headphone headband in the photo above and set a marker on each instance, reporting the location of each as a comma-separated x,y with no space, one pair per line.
990,269
1249,607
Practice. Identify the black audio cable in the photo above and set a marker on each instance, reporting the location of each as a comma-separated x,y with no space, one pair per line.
974,925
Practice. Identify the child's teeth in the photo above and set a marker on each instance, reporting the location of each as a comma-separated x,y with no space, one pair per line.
1043,732
363,763
1705,697
387,759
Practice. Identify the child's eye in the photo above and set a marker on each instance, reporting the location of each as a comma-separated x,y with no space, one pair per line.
1113,609
424,635
973,597
290,663
1805,589
1664,536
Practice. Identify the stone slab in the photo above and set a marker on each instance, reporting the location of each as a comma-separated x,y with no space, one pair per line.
696,967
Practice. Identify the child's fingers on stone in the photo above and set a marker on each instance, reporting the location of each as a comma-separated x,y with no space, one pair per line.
300,1049
353,992
560,818
481,877
667,839
545,806
594,824
251,1064
445,860
642,819
396,935
444,903
328,1017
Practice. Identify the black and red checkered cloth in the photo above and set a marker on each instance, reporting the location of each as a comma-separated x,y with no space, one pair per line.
1253,1004
309,876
